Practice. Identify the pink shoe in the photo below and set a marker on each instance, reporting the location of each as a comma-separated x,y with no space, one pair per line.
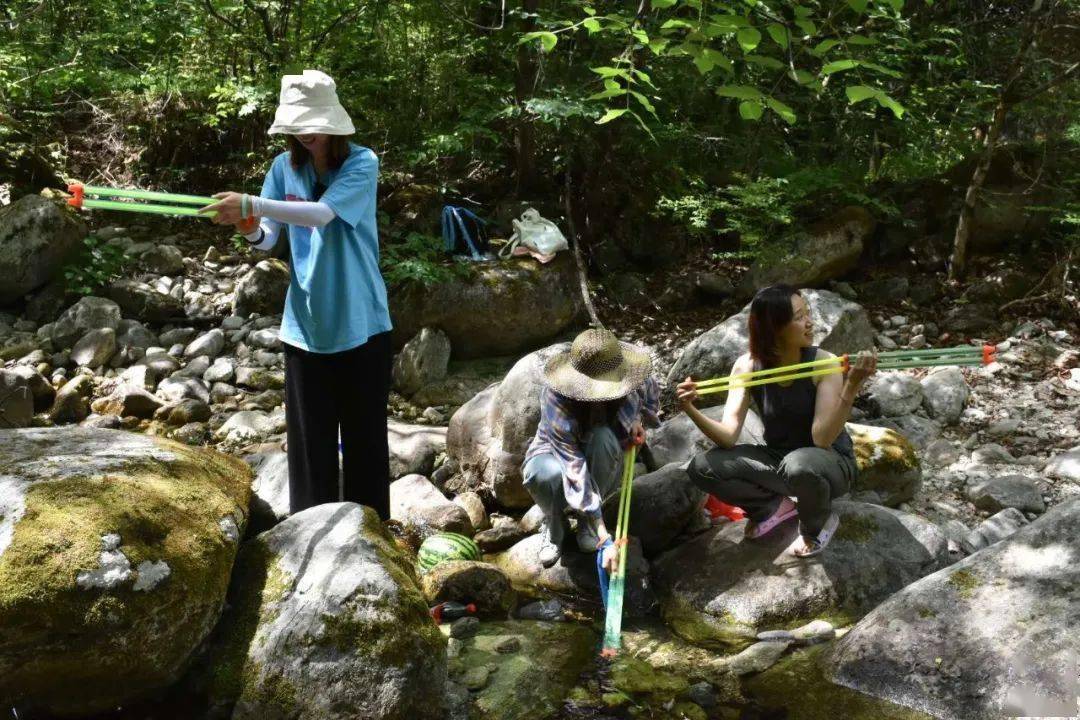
785,511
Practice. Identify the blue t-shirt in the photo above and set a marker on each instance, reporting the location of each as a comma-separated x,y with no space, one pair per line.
337,297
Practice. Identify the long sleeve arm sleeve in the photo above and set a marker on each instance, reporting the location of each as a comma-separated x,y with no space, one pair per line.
306,214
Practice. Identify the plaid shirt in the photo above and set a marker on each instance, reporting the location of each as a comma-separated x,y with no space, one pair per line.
560,434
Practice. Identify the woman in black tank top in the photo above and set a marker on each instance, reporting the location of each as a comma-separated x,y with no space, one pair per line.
807,452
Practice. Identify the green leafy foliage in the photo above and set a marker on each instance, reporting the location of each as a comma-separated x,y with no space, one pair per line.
96,265
419,258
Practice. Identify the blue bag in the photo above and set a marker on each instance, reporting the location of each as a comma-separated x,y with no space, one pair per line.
463,231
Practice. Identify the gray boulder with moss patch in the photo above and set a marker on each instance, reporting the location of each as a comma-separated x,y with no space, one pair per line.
115,556
326,621
502,308
887,463
721,590
488,436
992,636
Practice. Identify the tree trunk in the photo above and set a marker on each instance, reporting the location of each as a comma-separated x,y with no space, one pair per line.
524,132
958,261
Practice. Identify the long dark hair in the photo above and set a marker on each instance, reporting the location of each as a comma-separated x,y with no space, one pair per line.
337,152
770,310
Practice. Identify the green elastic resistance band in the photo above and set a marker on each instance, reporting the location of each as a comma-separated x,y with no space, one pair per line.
617,587
145,208
103,192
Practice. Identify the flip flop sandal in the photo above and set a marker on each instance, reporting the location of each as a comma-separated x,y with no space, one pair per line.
768,524
818,544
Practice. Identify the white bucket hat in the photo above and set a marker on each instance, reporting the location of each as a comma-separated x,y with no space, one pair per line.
309,104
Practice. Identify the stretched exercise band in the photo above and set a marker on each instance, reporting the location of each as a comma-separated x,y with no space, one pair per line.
891,360
79,201
617,586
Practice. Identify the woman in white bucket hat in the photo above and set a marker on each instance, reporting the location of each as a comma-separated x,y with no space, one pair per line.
336,324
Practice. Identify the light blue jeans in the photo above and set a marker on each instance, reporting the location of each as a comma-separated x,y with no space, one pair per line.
544,478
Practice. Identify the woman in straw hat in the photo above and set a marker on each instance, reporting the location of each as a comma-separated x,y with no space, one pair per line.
335,326
597,398
807,451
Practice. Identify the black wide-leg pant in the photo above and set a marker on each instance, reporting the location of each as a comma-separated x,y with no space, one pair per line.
328,391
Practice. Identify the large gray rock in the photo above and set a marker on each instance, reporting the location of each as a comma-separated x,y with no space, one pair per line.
90,313
721,590
945,393
37,236
829,249
115,554
95,348
269,489
1008,491
465,581
504,308
128,400
42,391
422,361
163,259
679,439
992,636
325,620
488,436
663,504
414,500
139,300
993,530
262,290
840,326
413,448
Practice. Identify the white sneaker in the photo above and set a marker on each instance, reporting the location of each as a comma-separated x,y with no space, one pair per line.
587,537
549,552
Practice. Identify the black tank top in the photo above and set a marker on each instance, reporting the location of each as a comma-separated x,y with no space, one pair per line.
788,412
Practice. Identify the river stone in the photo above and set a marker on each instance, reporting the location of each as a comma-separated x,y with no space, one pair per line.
945,393
115,554
993,529
827,250
42,391
466,581
1009,491
416,501
262,290
721,590
128,400
989,637
90,313
473,504
139,300
413,448
505,533
269,489
163,259
840,326
95,348
663,505
574,575
325,621
16,400
73,400
178,387
678,439
887,463
37,236
423,360
1065,465
895,393
503,308
488,436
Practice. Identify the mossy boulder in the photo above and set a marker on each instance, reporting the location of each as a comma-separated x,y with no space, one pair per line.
115,556
37,236
720,590
531,683
466,581
992,636
502,308
887,462
326,621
